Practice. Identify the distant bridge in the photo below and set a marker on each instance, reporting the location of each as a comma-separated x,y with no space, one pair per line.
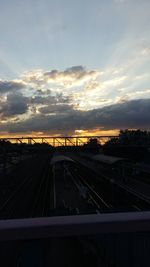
58,140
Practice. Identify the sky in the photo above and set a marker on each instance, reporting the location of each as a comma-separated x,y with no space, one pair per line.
74,67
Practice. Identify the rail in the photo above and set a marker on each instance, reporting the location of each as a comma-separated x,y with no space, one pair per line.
94,196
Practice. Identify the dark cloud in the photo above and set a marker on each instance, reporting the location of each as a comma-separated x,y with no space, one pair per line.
75,69
36,100
48,100
9,86
56,109
52,73
130,114
46,92
55,73
40,122
15,104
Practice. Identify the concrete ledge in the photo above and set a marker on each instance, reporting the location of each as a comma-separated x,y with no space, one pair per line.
35,228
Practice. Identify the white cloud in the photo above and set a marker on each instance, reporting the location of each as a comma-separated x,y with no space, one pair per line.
145,51
114,82
74,76
139,93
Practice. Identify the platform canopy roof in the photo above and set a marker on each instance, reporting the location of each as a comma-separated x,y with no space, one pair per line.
60,158
107,159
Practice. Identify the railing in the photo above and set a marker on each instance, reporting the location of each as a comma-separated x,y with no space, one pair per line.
78,225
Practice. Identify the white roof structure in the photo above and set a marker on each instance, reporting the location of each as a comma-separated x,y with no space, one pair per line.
107,159
57,159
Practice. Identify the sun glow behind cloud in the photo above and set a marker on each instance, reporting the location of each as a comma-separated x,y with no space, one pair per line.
85,102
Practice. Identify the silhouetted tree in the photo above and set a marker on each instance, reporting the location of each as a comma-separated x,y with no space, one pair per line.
131,138
130,143
93,145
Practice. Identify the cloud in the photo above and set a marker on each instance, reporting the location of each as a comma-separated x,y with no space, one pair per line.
56,109
76,86
38,100
51,99
128,114
50,104
15,104
92,85
68,78
74,99
70,74
137,93
114,82
10,86
145,51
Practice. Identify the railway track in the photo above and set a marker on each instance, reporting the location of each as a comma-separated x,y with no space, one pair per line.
133,200
42,202
88,191
68,193
104,194
30,197
8,208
